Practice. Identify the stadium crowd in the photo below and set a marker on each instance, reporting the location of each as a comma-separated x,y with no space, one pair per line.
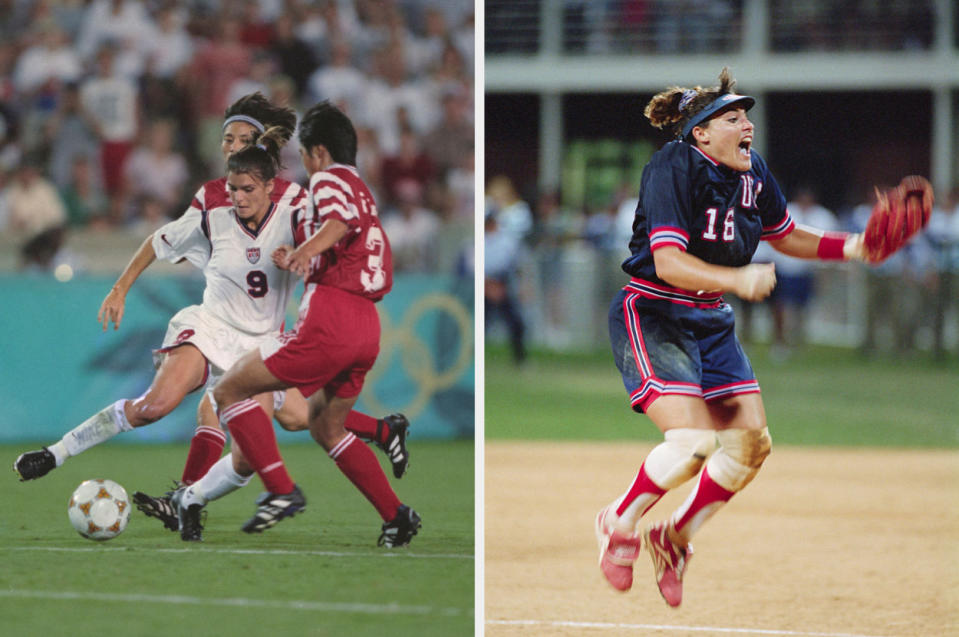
111,110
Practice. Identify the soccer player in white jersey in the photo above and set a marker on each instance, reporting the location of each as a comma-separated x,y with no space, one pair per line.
182,369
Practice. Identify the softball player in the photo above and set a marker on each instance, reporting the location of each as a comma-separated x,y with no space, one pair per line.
706,199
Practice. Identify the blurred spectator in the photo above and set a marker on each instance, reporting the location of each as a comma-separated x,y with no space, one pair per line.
50,60
453,135
70,134
217,64
294,57
110,102
412,229
795,278
339,81
124,23
461,180
171,47
410,163
82,195
394,102
255,32
32,202
155,173
501,250
262,68
943,236
513,215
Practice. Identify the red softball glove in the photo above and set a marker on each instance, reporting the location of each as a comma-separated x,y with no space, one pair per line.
899,213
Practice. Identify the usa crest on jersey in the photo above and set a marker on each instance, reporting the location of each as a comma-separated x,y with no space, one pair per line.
253,254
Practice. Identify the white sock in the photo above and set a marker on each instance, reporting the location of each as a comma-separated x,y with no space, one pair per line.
219,481
98,428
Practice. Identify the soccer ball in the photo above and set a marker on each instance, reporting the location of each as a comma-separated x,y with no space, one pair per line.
99,509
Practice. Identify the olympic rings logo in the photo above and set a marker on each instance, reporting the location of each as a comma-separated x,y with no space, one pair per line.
417,358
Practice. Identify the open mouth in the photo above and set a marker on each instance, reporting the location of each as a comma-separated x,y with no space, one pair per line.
744,148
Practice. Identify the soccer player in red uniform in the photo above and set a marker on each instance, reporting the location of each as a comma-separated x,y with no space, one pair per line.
348,268
192,355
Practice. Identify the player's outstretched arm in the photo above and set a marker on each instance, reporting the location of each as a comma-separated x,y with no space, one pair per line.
805,242
111,310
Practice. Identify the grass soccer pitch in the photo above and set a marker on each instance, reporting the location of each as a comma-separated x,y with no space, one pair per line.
820,396
319,573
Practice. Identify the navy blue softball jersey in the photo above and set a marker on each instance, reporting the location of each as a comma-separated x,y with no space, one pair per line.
689,200
666,340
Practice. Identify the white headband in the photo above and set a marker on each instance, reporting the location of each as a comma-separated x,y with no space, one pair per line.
244,118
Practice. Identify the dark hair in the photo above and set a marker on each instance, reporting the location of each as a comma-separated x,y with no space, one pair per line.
664,109
262,110
262,159
326,125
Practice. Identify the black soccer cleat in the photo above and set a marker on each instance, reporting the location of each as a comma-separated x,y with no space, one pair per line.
160,508
34,464
401,529
273,507
189,518
395,445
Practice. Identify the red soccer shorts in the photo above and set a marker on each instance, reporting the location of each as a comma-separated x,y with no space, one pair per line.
333,344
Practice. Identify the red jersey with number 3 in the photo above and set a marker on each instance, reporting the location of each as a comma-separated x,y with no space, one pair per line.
361,262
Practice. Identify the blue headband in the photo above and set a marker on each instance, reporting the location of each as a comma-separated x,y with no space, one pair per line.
244,118
721,102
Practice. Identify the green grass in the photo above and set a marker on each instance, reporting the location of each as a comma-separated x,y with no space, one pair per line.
821,396
319,573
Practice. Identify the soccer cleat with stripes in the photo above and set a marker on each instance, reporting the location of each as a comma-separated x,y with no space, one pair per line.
190,517
401,529
161,508
34,464
669,562
395,445
617,552
273,507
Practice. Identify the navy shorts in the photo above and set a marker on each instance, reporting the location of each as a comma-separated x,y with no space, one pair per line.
666,341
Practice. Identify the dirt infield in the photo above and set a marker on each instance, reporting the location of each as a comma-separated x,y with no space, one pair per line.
825,542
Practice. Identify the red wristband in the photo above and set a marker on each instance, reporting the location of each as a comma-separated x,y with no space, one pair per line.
830,246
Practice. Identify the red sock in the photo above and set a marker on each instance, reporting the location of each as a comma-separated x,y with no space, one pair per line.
365,427
642,486
252,430
705,500
205,449
358,463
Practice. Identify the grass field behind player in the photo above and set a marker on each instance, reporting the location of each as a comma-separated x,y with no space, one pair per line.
821,396
319,573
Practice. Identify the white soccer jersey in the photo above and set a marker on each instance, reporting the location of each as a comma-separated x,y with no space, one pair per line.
243,287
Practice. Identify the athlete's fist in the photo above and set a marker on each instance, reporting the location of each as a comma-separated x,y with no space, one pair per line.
755,281
281,256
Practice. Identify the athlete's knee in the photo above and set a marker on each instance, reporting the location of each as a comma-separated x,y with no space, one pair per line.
150,408
680,456
749,447
740,457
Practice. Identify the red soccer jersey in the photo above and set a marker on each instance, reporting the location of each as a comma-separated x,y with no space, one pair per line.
361,262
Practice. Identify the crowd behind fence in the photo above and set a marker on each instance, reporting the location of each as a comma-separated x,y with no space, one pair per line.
565,269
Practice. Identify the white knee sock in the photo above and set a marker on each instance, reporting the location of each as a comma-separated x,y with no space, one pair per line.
98,428
220,480
668,465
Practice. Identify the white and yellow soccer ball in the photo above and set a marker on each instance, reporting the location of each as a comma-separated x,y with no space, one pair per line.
99,509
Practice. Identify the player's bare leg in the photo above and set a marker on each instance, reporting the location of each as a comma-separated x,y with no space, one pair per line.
182,370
